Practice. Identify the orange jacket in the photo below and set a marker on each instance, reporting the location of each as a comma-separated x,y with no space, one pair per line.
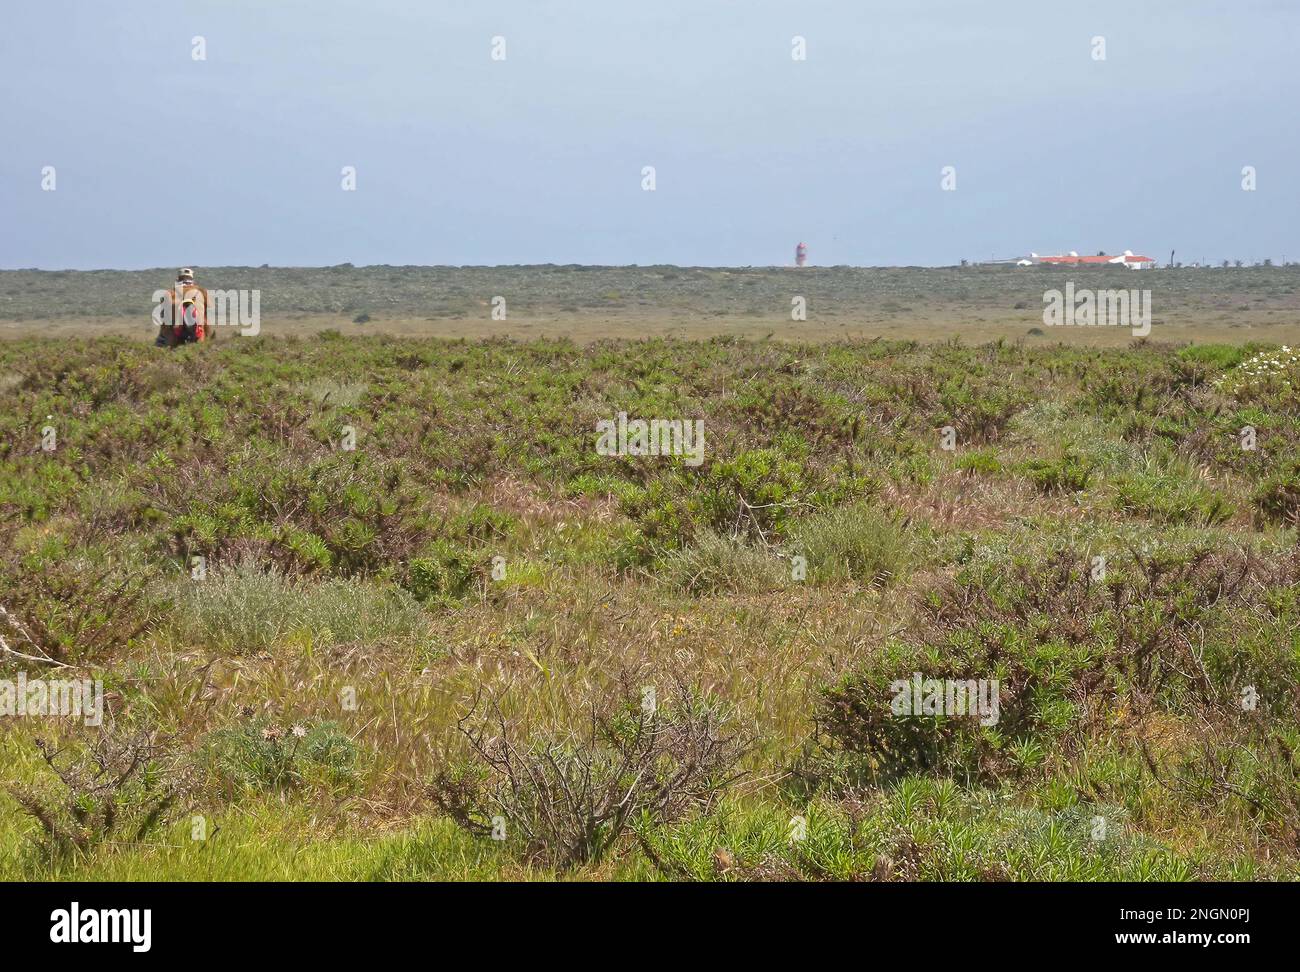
194,310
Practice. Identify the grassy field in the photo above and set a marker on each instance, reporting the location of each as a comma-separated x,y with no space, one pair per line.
435,633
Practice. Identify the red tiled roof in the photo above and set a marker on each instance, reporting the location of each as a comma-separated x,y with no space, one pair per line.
1106,258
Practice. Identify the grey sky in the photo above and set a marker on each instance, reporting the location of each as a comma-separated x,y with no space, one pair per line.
162,160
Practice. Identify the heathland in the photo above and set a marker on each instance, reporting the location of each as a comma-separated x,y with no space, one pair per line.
583,304
367,602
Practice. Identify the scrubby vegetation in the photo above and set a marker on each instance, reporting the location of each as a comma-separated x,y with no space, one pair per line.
374,608
367,295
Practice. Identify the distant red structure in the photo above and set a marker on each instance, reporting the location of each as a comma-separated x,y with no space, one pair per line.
801,254
1128,258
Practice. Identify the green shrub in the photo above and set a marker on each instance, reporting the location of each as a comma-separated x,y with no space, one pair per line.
444,571
755,491
346,513
1066,650
1169,494
1220,356
262,755
978,411
1066,474
1278,497
76,604
979,462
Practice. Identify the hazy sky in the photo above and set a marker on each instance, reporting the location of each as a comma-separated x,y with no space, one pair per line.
162,160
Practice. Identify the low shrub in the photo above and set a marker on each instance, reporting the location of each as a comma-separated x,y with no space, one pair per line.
570,797
1267,375
979,462
119,788
444,571
1067,651
72,606
1277,498
1169,495
1068,473
263,755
